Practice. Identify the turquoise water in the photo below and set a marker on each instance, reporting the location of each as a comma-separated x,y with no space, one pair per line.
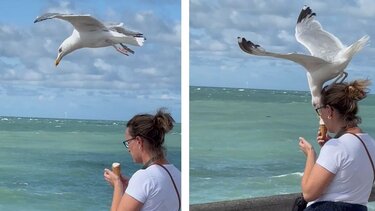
57,164
244,142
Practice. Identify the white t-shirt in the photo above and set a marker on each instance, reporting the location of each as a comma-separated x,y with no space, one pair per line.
154,188
347,159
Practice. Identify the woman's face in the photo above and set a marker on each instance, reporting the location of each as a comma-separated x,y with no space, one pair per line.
134,146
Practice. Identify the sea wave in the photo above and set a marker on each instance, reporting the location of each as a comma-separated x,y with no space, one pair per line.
290,174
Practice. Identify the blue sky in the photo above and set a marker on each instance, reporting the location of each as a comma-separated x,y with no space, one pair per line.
216,60
97,83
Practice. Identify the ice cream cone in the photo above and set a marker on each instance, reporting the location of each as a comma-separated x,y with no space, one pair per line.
116,168
322,129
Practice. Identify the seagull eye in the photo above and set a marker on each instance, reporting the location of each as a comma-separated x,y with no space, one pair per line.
60,49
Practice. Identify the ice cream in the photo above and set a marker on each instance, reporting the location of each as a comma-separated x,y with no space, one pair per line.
322,129
116,168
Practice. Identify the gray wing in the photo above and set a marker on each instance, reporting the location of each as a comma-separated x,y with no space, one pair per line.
319,42
80,22
310,63
120,29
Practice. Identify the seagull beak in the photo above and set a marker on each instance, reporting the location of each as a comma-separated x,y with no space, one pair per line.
57,61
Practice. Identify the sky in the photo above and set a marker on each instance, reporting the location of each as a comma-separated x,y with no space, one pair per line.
90,83
216,59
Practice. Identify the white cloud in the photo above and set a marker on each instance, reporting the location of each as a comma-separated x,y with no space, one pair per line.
147,71
169,97
287,37
32,76
364,8
63,7
141,17
46,97
102,65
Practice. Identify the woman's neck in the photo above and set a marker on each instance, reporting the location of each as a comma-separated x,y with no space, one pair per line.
343,130
148,160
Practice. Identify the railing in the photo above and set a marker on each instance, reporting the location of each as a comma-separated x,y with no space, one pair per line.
270,203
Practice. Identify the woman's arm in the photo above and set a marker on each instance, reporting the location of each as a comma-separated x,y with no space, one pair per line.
121,201
315,178
118,187
129,203
117,194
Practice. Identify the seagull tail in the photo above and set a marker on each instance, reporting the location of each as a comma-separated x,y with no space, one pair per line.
356,47
140,40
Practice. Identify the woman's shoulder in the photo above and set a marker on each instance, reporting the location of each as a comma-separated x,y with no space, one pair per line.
170,167
140,173
155,172
156,168
348,141
350,137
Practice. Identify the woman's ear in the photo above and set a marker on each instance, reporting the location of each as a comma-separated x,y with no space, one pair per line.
140,141
330,112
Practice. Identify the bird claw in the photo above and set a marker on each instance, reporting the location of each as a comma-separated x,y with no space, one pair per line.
345,74
340,78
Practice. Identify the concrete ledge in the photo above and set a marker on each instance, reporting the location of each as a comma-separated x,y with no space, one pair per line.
270,203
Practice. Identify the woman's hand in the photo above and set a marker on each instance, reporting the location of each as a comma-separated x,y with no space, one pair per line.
113,179
305,146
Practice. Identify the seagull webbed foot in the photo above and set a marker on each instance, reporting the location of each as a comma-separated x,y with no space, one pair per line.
127,48
121,50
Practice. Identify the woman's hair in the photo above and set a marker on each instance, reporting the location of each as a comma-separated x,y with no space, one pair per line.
152,128
344,97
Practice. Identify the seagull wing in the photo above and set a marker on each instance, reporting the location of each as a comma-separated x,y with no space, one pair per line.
118,28
310,63
319,42
80,22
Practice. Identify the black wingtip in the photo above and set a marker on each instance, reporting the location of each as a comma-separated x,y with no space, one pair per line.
246,45
241,42
306,12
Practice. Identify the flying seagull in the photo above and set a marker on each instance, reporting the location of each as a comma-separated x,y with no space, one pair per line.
88,32
328,59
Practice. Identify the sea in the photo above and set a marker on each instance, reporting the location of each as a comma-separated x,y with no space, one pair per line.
244,142
58,164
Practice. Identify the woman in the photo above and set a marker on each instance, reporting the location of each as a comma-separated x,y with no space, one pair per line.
157,185
342,176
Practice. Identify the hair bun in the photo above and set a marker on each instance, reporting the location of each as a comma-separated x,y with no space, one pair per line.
357,90
163,120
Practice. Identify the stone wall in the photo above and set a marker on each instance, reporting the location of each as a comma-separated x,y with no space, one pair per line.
270,203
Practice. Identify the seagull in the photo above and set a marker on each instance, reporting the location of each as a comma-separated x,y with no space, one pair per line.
328,59
88,32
